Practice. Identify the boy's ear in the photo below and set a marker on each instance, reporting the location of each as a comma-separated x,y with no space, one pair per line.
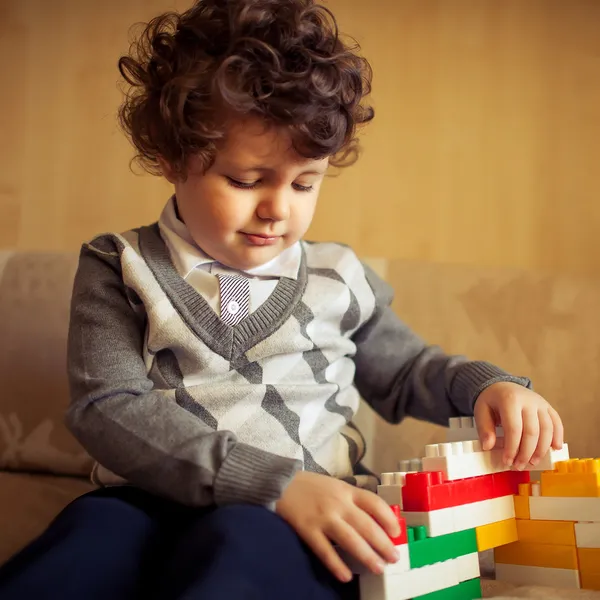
167,171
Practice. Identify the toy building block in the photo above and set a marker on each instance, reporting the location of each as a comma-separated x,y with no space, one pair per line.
589,565
522,501
587,535
467,566
410,584
554,533
463,429
554,508
417,582
359,568
496,534
590,581
537,555
410,465
574,477
459,460
391,488
550,508
527,575
428,491
425,550
466,516
467,590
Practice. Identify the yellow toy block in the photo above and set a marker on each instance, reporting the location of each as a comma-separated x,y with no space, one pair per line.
589,560
522,501
496,534
537,555
573,477
556,533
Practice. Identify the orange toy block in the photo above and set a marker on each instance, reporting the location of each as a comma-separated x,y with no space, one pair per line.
496,534
589,568
537,555
590,581
522,501
556,533
589,560
573,477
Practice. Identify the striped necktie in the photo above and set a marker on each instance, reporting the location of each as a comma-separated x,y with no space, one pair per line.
235,298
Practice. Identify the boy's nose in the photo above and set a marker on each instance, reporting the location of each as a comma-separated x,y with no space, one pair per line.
274,207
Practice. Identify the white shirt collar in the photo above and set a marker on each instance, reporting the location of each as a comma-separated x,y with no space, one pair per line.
187,255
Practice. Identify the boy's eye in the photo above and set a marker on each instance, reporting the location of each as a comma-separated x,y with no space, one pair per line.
244,185
302,188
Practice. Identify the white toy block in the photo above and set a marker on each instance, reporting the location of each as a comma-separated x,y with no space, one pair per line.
436,522
359,568
392,494
548,462
459,460
551,508
522,575
411,465
587,535
463,429
391,487
485,512
465,516
413,583
467,566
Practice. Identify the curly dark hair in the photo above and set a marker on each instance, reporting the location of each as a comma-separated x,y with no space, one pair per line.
282,60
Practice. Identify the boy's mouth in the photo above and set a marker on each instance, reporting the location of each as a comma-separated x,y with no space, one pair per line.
261,240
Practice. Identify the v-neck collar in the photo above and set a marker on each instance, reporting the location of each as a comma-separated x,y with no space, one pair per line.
228,341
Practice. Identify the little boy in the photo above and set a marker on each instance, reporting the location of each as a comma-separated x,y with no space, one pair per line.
216,358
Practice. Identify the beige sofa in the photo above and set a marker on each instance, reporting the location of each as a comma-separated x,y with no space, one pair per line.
545,327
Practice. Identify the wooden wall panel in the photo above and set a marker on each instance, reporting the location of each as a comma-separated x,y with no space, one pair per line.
485,148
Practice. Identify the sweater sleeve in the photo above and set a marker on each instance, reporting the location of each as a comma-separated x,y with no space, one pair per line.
136,431
399,375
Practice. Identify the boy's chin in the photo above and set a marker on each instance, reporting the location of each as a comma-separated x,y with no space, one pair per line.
251,258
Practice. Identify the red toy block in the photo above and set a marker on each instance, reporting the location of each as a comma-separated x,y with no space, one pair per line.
507,482
428,491
403,537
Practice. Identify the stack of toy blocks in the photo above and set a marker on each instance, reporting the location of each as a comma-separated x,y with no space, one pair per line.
441,568
457,500
558,527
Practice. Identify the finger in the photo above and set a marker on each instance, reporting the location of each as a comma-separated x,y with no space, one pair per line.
380,510
529,438
545,437
343,534
511,420
374,535
326,553
485,422
559,432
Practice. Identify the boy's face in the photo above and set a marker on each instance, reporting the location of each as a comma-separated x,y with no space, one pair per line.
256,200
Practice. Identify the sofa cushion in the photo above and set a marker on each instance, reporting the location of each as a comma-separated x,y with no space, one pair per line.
28,503
35,290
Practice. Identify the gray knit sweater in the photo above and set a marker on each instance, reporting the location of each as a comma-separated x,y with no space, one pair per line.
168,398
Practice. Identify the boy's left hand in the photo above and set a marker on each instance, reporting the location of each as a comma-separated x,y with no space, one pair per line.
531,426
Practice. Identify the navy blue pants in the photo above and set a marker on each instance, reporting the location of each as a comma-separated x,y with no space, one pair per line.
123,543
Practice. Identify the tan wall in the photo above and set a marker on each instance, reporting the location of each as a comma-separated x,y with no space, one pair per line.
485,148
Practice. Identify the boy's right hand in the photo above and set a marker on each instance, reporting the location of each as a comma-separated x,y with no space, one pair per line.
323,510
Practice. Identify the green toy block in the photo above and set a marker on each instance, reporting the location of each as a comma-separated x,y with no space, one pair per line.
427,551
467,590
